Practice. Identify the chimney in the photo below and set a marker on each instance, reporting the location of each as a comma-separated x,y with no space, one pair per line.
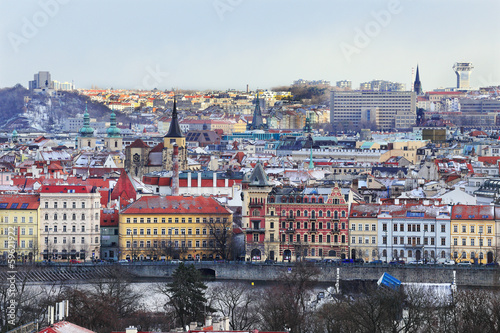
208,321
175,168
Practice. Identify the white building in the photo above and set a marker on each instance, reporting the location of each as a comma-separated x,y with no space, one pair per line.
69,225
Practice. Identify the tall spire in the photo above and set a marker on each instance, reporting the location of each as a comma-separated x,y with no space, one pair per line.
113,131
417,86
175,129
257,122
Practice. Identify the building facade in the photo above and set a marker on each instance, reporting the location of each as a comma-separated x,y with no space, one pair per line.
69,225
19,216
377,108
175,227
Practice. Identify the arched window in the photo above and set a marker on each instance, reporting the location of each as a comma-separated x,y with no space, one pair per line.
335,215
83,217
384,253
410,253
74,217
328,213
290,199
305,199
46,216
335,238
320,238
291,213
55,217
313,200
298,213
283,213
402,254
343,213
305,238
320,213
443,254
328,238
255,212
313,214
64,216
298,238
305,213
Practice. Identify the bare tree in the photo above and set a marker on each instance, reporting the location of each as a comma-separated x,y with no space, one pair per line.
220,230
237,302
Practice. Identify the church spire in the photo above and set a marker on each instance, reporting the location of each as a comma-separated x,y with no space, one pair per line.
417,86
257,122
175,129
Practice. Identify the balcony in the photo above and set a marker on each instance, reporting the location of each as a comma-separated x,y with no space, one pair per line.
289,230
335,231
290,218
251,230
256,205
313,230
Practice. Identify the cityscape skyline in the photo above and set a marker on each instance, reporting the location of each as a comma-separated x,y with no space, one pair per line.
228,44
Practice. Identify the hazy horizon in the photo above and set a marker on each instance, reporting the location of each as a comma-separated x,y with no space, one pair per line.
227,44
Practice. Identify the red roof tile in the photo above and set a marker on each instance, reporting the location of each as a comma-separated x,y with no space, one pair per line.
66,189
466,212
65,327
32,201
138,144
176,205
124,188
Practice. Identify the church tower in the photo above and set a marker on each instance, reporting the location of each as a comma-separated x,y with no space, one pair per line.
86,133
257,122
417,86
113,140
174,137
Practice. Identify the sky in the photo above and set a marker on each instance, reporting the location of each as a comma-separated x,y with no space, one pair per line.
227,44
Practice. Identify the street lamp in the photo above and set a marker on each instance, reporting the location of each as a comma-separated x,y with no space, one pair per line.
480,245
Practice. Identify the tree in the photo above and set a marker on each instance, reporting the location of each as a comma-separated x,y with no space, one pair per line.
186,295
220,235
286,305
238,303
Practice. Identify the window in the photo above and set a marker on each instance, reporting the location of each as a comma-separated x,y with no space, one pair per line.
46,204
443,228
472,241
73,204
83,240
55,204
489,242
83,217
443,241
384,240
472,229
395,227
97,240
65,204
464,242
464,228
73,240
384,227
374,227
395,240
432,227
353,240
455,228
489,229
480,229
83,204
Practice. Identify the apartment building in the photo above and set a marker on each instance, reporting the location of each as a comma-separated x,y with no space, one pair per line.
377,108
69,225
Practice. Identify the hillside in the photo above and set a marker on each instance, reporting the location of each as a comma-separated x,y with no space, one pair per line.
21,110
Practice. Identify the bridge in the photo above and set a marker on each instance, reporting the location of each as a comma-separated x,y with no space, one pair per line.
155,271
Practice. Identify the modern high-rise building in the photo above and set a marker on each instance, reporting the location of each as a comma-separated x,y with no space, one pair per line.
463,70
41,82
360,109
344,84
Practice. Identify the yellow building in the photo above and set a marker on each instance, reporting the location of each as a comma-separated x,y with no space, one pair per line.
175,227
19,216
240,126
363,238
473,234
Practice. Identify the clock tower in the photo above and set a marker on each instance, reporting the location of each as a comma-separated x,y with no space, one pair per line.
174,137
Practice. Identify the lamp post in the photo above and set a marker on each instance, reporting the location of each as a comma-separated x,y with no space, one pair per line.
480,245
47,245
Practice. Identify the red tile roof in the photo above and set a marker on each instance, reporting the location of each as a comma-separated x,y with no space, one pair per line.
65,327
489,159
138,144
124,189
109,217
175,205
33,201
66,189
465,212
158,148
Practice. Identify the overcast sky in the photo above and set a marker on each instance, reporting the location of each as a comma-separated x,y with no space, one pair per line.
222,44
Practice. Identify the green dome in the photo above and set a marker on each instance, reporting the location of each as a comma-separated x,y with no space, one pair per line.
86,130
113,131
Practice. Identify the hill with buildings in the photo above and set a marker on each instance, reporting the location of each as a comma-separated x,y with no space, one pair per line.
22,110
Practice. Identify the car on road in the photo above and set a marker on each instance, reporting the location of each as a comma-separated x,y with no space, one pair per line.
492,264
123,262
175,261
416,262
397,262
464,263
449,263
74,261
376,262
